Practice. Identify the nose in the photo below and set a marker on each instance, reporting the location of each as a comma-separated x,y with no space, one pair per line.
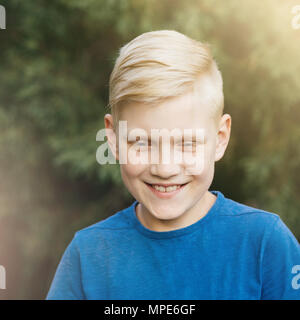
164,171
159,167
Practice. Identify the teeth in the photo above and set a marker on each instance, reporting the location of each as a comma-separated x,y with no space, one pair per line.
167,189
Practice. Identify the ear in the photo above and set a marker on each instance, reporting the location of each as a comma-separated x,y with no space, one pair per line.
223,136
111,135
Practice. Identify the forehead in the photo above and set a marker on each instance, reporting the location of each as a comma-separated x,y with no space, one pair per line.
195,109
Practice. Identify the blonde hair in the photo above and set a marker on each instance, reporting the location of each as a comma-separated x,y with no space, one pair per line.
158,65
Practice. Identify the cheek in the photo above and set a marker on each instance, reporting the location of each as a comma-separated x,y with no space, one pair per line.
200,165
131,171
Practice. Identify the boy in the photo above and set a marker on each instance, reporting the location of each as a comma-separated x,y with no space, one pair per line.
178,240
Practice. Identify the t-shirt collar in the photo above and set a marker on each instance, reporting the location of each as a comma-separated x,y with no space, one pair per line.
178,232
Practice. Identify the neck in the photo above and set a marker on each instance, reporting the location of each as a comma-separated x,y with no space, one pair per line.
192,215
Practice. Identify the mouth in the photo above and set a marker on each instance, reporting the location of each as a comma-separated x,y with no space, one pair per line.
166,191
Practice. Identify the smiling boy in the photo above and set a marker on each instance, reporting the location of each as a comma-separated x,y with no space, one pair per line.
178,240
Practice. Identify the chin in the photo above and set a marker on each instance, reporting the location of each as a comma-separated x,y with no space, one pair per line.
163,213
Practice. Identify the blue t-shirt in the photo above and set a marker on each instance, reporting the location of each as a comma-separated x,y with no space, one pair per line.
233,252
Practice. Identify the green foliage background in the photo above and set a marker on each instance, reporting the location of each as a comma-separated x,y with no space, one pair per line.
55,60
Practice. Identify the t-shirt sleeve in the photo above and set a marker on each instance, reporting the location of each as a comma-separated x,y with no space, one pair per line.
281,265
66,284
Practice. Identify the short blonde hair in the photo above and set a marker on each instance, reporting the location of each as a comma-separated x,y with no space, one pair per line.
158,65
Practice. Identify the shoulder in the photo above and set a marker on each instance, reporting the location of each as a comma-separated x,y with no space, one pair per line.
256,225
245,217
236,209
108,228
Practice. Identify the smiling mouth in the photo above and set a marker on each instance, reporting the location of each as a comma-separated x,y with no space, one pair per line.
166,188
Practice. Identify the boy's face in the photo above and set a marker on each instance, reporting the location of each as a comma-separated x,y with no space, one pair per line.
180,207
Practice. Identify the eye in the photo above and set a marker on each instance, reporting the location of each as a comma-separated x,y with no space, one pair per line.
187,146
141,145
